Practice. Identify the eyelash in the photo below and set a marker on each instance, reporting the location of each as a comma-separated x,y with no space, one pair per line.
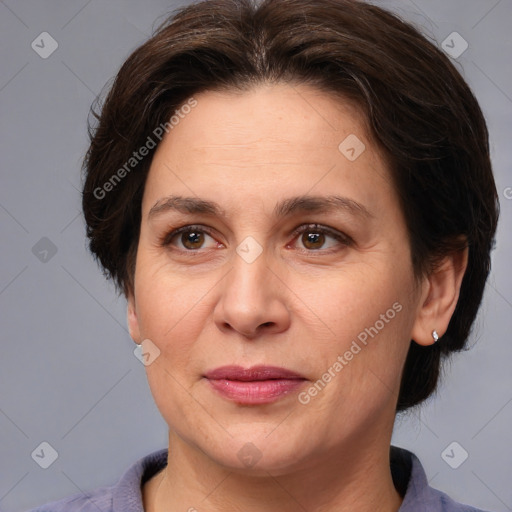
345,240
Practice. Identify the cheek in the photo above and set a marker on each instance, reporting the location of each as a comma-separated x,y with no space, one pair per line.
365,315
166,297
347,301
170,309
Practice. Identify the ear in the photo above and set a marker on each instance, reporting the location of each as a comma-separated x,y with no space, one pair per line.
440,293
132,320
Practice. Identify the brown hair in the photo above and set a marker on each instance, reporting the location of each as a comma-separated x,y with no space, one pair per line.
418,109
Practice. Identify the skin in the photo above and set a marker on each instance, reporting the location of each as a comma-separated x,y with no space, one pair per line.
298,305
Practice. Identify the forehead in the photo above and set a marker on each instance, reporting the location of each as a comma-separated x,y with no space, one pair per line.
287,137
271,116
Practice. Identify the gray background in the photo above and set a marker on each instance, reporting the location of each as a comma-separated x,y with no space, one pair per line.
68,375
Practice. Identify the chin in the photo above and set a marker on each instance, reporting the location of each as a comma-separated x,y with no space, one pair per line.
258,451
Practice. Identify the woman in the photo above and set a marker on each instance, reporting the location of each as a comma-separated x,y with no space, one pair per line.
297,201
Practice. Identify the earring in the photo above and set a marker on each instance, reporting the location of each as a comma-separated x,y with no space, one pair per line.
435,335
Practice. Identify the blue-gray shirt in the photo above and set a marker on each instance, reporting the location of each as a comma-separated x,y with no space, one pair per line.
408,476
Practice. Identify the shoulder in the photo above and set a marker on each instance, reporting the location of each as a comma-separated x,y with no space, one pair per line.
99,499
449,505
419,496
124,496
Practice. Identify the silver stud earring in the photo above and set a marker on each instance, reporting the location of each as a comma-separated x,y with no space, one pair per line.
435,335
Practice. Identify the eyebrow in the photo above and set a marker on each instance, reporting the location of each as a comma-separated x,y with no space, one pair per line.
285,208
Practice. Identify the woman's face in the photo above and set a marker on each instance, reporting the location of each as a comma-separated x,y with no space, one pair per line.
294,265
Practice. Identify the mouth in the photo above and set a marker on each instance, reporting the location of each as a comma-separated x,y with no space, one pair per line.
255,385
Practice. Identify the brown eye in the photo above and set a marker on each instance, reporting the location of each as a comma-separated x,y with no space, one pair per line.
312,240
322,239
189,238
192,239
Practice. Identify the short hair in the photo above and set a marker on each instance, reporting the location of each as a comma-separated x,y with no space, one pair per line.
416,106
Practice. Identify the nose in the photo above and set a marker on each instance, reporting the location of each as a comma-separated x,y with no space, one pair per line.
253,300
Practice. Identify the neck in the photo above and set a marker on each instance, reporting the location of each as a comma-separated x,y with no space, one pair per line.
357,478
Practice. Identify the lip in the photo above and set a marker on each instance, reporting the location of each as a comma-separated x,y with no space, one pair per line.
255,385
